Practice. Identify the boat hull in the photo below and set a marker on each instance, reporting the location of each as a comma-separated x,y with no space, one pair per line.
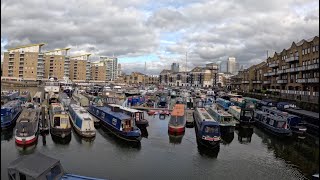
176,129
10,124
130,137
23,141
211,144
62,133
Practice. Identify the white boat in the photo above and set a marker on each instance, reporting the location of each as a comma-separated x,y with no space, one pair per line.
235,112
52,86
81,99
223,117
82,121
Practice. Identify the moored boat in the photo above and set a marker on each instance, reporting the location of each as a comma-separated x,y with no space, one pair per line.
177,122
59,121
82,121
81,99
24,96
137,115
64,100
53,98
226,121
277,125
207,129
40,166
9,113
7,96
244,115
27,126
224,104
120,124
38,97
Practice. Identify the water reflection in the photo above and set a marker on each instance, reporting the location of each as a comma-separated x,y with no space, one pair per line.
162,116
83,140
303,153
226,137
25,150
110,137
207,152
244,134
144,131
58,140
175,138
6,135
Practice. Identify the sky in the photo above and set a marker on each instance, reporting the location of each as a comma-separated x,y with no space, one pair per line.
154,34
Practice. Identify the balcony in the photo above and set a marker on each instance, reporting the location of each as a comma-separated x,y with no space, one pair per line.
306,93
282,81
291,69
244,82
257,82
313,80
273,65
301,80
312,66
274,90
281,71
266,82
292,59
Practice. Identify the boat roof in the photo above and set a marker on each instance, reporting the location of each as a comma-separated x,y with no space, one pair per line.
56,105
223,112
33,165
304,113
125,108
10,104
205,116
178,110
27,114
118,115
80,111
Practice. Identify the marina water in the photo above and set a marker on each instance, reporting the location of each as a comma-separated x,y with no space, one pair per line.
244,154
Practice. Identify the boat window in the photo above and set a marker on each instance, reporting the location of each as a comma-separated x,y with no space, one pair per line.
211,129
56,121
55,171
227,119
102,115
247,113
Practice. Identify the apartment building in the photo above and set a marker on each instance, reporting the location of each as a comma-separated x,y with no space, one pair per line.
135,78
56,63
292,73
197,77
80,68
24,63
111,64
151,79
98,71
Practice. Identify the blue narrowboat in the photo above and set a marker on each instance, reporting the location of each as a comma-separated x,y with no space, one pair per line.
135,100
207,129
277,125
225,104
266,102
8,96
119,123
9,113
295,122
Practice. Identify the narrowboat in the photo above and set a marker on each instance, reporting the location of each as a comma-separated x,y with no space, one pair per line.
24,96
242,103
135,101
311,119
295,122
64,100
81,99
9,113
225,119
27,126
277,125
253,101
132,92
59,121
38,97
162,102
224,104
53,98
119,123
39,166
137,115
7,96
266,102
82,121
207,129
177,122
189,118
244,115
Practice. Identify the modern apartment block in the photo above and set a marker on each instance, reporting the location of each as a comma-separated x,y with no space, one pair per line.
24,63
79,68
232,65
111,64
56,63
98,71
197,77
292,73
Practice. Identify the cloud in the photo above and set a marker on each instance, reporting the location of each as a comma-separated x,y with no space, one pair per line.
209,30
